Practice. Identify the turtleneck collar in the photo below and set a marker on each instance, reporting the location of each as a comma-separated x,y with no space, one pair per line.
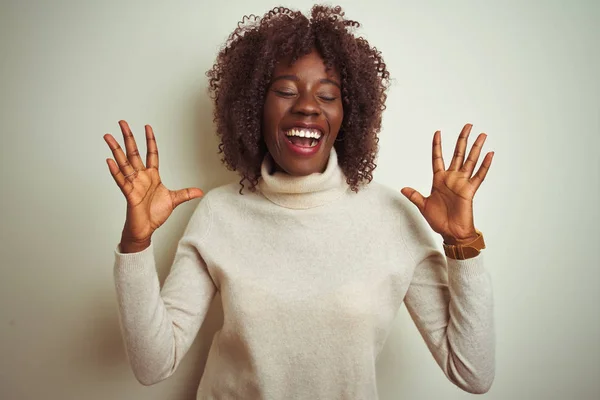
302,192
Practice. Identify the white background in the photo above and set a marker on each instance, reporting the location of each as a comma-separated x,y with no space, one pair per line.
526,73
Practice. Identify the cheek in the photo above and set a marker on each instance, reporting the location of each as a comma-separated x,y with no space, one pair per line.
336,116
267,111
271,120
273,113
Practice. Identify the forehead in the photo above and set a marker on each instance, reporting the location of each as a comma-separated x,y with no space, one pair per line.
308,66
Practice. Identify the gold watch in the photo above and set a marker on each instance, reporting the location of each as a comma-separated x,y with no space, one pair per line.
466,250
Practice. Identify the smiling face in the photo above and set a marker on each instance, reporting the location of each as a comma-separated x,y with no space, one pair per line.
302,115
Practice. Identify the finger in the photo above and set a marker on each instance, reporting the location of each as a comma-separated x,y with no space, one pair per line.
469,165
151,149
133,155
415,197
461,148
437,159
478,178
183,195
126,168
124,184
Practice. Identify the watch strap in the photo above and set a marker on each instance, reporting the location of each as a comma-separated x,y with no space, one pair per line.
465,250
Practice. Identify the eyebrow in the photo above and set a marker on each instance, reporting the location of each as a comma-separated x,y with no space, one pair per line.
296,79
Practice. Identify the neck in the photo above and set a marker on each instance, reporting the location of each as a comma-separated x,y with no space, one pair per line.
302,192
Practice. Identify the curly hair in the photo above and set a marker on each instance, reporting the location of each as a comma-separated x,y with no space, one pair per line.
240,78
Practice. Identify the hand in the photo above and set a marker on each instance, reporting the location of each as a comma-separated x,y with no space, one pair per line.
449,207
149,202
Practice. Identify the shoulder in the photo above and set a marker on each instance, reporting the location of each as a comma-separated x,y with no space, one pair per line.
388,200
227,202
225,196
227,193
213,206
392,207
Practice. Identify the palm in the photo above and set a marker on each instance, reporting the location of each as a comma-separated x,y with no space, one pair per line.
449,207
449,199
159,206
149,202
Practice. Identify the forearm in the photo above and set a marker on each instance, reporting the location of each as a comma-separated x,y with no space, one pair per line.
159,325
470,335
450,302
146,326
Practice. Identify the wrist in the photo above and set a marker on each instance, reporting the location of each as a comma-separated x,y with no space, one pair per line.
451,240
463,248
132,246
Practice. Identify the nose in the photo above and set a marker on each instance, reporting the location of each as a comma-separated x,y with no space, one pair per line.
306,104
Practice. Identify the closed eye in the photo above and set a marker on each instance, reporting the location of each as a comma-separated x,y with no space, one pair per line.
327,98
285,94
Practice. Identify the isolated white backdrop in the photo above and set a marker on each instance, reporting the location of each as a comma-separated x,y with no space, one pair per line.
526,73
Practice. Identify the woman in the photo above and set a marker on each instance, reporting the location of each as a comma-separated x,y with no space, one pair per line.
311,260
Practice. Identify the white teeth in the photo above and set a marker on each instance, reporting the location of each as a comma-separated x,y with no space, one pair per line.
309,133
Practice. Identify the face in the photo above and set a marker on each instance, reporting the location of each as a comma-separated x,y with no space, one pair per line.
302,115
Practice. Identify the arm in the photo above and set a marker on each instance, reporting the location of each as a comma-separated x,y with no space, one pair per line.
159,326
449,300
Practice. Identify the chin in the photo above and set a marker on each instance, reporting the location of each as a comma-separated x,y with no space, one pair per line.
298,161
303,170
303,166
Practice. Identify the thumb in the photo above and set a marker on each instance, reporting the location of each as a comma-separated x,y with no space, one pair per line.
183,195
415,197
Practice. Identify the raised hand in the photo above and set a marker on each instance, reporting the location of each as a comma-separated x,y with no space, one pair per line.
149,202
449,207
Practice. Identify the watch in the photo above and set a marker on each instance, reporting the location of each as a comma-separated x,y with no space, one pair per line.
465,250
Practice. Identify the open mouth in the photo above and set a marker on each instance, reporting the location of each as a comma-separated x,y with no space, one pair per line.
303,137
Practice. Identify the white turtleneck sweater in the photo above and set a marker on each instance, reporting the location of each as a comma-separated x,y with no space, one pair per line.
311,276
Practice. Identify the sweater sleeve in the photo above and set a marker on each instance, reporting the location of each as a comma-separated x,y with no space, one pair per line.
159,325
451,303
